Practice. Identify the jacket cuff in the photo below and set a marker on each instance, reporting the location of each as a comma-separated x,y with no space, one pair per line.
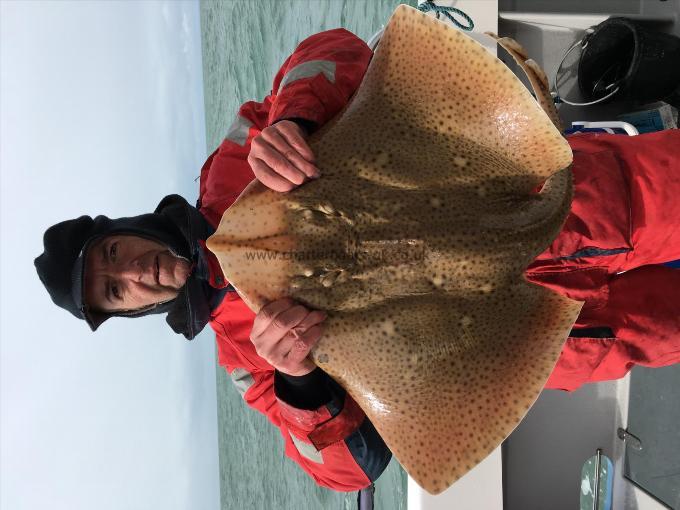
308,392
307,126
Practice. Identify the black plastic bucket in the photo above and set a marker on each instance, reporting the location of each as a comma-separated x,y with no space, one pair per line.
643,64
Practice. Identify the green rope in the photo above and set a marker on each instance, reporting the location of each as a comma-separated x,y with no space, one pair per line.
429,5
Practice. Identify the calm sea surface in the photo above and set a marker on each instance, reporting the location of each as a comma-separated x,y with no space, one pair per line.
244,43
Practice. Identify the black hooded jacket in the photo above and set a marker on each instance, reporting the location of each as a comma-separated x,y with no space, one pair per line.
174,223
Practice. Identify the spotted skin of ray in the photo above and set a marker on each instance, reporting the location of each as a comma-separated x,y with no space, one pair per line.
415,241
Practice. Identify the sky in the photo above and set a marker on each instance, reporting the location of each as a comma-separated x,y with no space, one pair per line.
101,108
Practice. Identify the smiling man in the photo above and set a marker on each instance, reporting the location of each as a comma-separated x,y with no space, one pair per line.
124,272
97,268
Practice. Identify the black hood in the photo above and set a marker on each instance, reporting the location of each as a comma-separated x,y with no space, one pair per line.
174,223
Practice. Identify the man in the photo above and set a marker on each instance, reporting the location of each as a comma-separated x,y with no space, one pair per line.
158,263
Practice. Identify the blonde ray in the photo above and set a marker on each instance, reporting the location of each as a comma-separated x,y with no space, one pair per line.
415,241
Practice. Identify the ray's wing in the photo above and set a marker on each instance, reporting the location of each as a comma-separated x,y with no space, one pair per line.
443,380
415,241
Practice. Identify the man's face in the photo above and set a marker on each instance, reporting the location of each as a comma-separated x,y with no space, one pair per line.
126,272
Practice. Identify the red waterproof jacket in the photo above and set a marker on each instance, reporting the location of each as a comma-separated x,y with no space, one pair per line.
623,225
621,220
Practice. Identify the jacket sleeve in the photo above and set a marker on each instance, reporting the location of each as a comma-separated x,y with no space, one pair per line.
323,429
334,443
319,78
641,310
311,87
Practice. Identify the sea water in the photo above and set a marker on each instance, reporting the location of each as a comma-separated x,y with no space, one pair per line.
244,44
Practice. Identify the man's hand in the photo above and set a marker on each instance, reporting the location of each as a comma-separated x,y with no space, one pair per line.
283,334
281,158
